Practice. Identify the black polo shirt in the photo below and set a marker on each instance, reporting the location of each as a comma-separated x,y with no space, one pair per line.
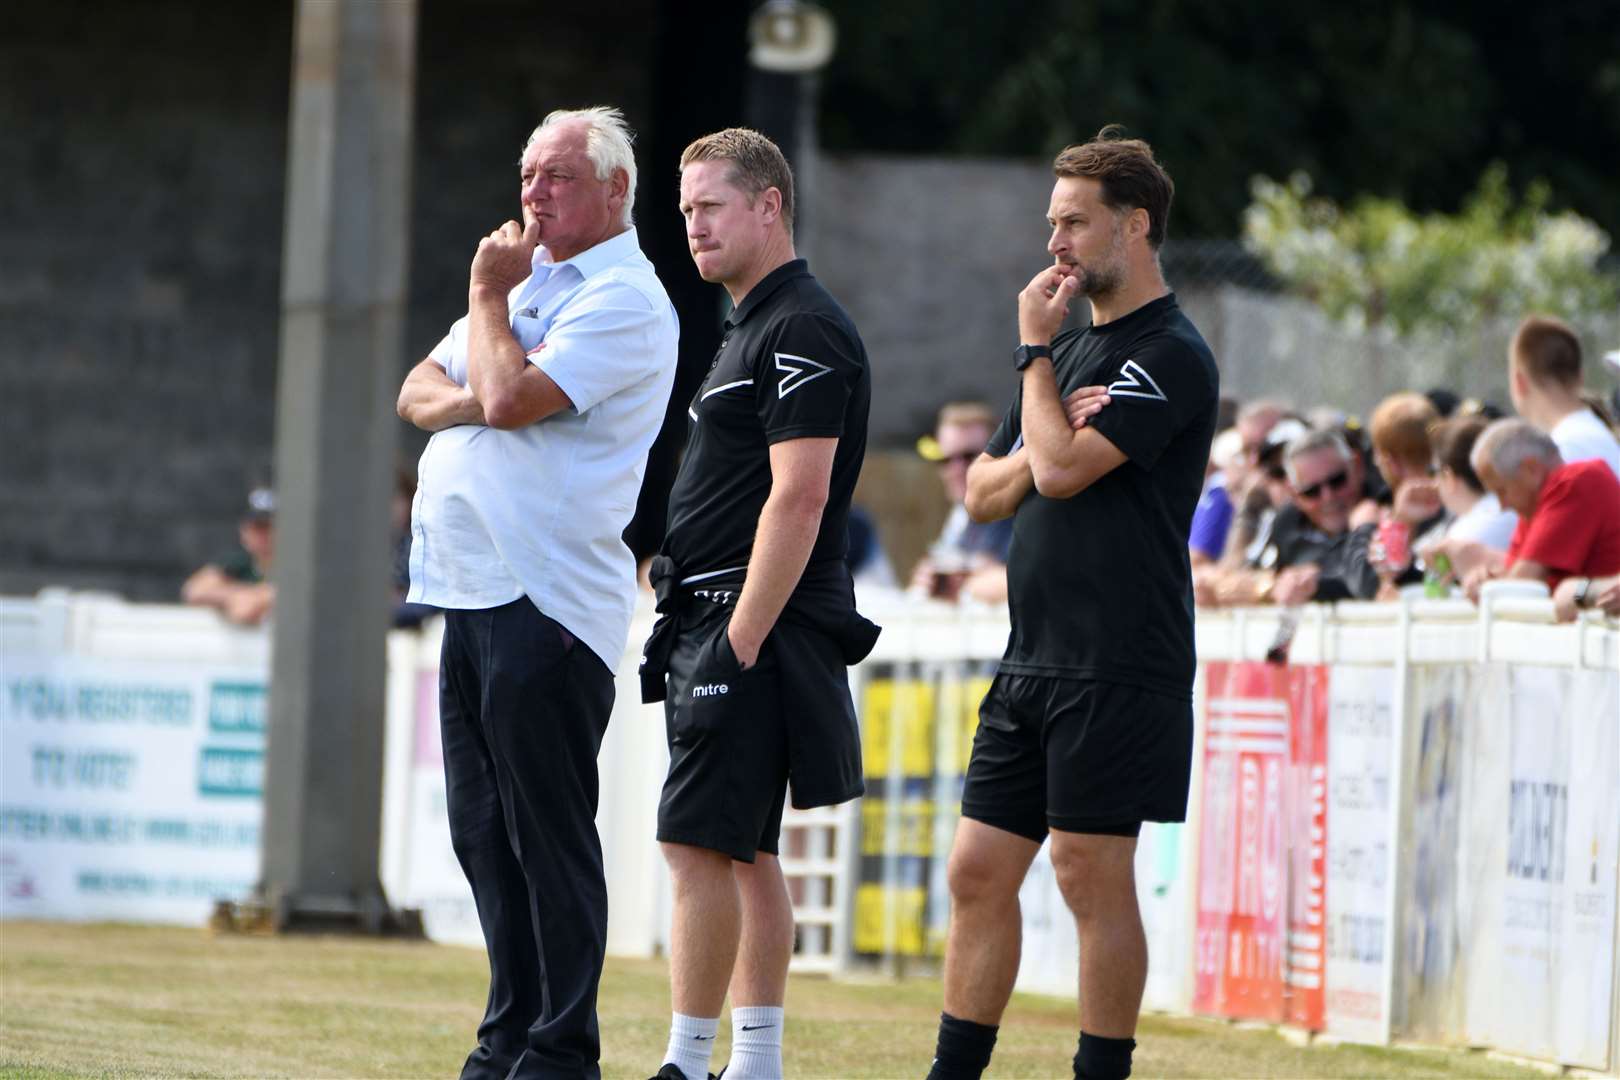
1100,584
790,366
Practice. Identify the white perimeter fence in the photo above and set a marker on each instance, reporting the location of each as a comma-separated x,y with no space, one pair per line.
1409,831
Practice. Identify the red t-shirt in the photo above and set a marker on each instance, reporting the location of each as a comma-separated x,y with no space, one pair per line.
1575,531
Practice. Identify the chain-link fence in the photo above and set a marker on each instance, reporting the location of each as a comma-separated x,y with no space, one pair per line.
1270,344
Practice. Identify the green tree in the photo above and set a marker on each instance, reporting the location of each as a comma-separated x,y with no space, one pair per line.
1408,99
1376,264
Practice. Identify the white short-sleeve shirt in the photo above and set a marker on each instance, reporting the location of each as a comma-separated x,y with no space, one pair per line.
540,511
1581,436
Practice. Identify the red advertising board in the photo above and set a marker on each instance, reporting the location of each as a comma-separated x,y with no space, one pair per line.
1259,949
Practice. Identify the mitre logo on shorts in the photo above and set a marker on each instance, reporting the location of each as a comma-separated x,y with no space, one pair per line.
710,690
1134,382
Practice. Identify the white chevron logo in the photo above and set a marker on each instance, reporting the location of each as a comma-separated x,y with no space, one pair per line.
1134,382
796,376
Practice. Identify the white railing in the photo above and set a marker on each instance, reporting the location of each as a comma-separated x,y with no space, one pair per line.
1408,831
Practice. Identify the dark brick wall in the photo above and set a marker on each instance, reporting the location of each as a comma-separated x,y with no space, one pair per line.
140,219
141,202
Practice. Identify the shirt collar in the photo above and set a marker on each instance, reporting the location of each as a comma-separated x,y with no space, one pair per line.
1152,309
767,285
593,260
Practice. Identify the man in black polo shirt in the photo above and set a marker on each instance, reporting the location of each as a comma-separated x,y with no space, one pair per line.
1087,729
758,611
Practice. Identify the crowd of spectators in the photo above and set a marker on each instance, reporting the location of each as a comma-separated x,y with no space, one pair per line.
1432,494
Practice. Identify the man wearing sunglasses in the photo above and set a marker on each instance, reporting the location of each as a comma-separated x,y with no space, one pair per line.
1306,554
968,558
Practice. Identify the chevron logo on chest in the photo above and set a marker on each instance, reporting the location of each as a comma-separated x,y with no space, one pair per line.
799,370
1134,382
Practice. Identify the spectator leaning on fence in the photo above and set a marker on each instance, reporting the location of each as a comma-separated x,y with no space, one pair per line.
1476,514
1544,377
1305,555
968,557
1576,594
1380,553
238,585
1212,517
1250,489
1569,514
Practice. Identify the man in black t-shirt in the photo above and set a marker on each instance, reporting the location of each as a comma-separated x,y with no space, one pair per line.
758,611
1087,729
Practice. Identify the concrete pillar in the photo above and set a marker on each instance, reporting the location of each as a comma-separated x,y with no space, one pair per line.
343,294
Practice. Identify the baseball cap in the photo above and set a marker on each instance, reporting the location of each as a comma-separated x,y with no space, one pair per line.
261,504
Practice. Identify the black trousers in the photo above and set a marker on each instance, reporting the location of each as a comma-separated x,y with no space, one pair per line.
522,708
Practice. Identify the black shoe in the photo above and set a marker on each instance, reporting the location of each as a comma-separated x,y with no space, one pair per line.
671,1072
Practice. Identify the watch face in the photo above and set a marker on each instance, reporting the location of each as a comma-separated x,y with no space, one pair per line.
1025,355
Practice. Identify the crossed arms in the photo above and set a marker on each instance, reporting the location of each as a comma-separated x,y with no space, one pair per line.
1057,460
503,389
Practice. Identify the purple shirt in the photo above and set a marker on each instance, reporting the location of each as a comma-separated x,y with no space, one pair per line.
1211,518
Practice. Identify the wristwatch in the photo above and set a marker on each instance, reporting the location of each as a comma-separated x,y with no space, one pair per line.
1025,355
1582,591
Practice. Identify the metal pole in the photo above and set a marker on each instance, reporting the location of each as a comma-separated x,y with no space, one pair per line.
343,292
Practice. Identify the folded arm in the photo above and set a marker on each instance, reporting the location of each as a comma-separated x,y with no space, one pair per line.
513,392
433,401
996,485
1064,460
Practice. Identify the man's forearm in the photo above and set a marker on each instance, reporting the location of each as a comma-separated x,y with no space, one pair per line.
1238,587
1063,460
433,401
782,544
495,360
996,486
1047,433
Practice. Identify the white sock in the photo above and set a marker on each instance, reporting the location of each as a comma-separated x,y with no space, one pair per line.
691,1041
756,1043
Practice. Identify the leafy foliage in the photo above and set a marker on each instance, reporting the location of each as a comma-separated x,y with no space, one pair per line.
1375,263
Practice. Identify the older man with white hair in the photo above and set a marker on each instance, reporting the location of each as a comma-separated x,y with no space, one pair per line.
1569,515
544,400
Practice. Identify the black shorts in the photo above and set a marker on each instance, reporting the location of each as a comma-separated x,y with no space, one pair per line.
728,747
1078,756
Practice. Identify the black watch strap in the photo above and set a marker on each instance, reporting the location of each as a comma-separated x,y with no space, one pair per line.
1025,355
1583,592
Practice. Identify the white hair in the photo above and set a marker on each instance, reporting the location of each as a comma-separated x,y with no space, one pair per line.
1310,443
607,144
1508,444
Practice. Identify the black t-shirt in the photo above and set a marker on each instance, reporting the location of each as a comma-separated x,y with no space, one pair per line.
1100,584
790,366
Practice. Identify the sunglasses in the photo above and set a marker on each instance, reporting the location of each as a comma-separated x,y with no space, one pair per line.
966,457
1336,482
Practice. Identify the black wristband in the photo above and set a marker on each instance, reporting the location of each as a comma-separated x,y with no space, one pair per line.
1025,355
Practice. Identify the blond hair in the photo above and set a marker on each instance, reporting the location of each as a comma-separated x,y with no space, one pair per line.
756,164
